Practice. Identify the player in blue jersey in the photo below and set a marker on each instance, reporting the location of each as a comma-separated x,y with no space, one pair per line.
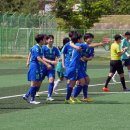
87,55
28,61
51,54
34,70
59,68
74,71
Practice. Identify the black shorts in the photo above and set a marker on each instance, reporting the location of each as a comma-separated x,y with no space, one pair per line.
116,65
126,62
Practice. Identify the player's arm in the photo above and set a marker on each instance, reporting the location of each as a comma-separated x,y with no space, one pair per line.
44,62
123,46
49,61
74,46
121,52
28,60
87,58
104,41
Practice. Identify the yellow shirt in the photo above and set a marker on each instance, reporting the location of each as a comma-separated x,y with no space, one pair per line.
115,49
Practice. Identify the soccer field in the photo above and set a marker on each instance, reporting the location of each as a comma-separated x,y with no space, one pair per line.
109,111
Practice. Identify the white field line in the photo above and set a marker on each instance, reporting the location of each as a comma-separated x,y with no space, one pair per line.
45,92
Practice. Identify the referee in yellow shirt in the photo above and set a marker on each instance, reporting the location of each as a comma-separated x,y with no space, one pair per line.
115,63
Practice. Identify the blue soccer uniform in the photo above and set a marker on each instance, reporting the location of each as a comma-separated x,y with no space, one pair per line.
50,54
73,70
34,72
67,52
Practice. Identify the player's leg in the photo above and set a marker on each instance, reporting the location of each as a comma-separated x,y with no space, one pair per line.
34,77
70,86
113,69
51,77
78,89
59,80
85,90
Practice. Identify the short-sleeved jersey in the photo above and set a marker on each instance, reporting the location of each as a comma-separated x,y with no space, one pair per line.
50,53
36,51
115,49
67,52
76,55
89,52
125,43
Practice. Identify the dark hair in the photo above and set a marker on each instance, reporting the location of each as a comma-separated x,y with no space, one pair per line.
117,37
65,40
39,37
127,33
88,35
50,36
71,33
76,37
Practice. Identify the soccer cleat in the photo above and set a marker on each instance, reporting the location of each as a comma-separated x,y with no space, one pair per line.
113,79
25,98
50,99
104,89
77,100
37,95
87,100
34,102
69,102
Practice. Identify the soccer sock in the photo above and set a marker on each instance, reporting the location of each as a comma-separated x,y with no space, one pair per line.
38,89
129,73
28,92
77,90
123,82
67,85
50,89
69,92
56,84
107,81
85,91
33,93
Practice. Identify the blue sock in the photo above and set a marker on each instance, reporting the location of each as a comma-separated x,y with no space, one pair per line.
67,85
77,90
28,92
38,89
85,91
33,93
50,89
69,92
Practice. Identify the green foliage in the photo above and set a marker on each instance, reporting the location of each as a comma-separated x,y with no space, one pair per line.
89,12
20,6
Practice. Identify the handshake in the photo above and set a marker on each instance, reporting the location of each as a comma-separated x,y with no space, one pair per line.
124,50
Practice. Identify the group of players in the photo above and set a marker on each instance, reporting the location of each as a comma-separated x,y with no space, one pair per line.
71,64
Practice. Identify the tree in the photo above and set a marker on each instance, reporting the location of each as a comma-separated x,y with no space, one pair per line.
20,6
89,12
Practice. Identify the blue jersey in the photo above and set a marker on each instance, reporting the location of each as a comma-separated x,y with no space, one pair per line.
89,52
34,70
50,53
76,55
67,52
36,51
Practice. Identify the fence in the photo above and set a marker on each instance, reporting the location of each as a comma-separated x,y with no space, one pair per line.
17,41
27,21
